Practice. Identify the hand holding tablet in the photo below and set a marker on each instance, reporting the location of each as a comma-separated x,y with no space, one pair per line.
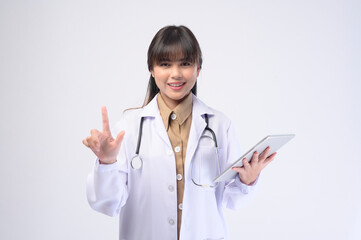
274,142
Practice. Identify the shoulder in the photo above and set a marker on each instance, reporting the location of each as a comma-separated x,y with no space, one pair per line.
128,119
131,114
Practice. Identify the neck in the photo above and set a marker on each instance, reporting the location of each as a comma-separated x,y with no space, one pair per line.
172,103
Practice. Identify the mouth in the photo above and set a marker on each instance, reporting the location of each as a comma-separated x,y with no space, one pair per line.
176,85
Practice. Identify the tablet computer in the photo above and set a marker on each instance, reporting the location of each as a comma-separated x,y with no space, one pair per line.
275,142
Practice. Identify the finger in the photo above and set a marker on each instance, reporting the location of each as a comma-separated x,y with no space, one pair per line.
119,138
94,133
246,164
85,142
269,159
264,154
92,144
240,170
93,140
105,120
255,157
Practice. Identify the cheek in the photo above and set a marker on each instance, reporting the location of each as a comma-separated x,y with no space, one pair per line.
160,76
192,75
159,83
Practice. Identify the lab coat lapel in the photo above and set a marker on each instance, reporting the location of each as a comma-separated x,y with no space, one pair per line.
152,110
197,128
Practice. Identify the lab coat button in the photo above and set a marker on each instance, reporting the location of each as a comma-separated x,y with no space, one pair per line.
177,149
180,206
173,116
169,152
170,188
179,177
171,221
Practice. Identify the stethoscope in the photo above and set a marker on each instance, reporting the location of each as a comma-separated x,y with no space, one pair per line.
137,163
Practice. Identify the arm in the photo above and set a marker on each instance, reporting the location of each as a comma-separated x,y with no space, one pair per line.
240,190
107,183
107,188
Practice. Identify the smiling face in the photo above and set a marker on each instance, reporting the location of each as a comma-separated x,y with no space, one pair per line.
174,61
175,79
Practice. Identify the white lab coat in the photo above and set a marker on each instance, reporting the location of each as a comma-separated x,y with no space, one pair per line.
146,199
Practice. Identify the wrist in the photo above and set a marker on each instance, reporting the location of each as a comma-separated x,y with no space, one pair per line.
107,162
249,182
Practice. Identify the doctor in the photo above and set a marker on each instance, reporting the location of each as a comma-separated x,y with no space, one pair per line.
157,172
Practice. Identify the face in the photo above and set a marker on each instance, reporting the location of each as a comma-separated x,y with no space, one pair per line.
175,80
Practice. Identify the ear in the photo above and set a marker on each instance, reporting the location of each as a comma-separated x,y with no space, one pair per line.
198,70
152,72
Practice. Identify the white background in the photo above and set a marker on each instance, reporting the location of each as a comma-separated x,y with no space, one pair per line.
272,66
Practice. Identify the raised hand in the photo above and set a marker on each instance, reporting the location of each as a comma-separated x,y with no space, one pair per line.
249,172
104,146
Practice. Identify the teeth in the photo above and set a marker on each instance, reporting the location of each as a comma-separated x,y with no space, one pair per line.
176,85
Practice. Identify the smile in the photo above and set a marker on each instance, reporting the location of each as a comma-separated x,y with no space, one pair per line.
176,84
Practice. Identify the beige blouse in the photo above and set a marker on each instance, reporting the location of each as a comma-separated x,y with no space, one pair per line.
177,122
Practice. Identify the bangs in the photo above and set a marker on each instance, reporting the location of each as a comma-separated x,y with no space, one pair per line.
174,52
174,44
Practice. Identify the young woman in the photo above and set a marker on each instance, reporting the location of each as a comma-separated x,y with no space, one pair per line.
157,173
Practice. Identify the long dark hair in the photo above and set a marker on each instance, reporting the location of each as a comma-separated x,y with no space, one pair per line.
171,42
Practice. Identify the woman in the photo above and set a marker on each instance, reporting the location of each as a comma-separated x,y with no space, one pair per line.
158,172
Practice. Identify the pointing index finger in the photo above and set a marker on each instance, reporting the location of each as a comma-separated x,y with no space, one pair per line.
105,119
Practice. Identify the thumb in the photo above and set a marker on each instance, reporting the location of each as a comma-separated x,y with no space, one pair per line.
119,138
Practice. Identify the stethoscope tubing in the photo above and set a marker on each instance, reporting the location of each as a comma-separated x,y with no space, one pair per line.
140,133
136,162
212,132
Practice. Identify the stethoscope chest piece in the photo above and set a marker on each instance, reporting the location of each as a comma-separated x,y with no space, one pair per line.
136,162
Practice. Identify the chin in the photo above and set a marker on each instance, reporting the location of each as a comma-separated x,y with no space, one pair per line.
179,96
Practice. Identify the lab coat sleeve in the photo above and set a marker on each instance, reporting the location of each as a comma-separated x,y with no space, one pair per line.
236,194
107,185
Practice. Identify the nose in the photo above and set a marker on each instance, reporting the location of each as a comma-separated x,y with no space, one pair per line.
176,72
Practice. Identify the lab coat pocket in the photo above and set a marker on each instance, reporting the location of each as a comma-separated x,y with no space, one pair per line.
205,166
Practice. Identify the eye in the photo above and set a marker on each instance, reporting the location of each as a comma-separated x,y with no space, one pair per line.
164,64
187,63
